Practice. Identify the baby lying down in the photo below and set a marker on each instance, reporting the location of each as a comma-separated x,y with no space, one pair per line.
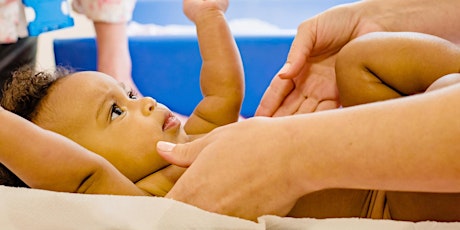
104,116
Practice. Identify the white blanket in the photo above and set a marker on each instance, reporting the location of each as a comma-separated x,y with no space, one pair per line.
22,208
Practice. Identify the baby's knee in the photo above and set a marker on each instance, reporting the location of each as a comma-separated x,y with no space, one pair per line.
444,81
349,66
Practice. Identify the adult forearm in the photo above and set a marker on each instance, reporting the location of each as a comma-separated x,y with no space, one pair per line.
408,144
436,17
45,160
34,155
113,49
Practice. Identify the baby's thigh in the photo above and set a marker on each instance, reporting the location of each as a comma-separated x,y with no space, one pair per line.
444,81
333,203
413,206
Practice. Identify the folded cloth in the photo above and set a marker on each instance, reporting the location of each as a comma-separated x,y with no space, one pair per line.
23,208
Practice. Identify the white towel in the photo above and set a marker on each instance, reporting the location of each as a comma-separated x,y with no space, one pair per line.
286,223
22,208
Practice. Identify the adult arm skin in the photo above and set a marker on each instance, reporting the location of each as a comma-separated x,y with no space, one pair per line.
263,165
306,83
46,160
113,57
110,19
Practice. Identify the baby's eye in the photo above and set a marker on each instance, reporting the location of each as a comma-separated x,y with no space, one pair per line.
132,95
115,112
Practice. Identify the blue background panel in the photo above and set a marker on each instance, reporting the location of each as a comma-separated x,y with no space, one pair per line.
168,68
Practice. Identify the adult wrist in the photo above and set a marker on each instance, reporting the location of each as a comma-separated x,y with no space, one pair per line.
301,145
436,17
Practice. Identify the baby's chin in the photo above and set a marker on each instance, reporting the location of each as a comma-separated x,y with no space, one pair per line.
182,137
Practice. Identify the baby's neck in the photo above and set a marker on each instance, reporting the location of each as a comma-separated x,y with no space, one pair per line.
160,182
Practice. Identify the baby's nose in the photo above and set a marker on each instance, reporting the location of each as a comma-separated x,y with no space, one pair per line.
148,105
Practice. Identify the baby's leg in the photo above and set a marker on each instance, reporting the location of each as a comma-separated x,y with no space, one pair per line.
420,206
356,82
381,66
334,203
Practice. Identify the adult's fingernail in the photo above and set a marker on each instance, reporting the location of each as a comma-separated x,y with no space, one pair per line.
284,69
165,146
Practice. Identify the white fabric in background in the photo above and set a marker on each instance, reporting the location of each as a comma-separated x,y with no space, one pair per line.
243,26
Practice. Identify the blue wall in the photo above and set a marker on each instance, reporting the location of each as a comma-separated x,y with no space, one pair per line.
168,67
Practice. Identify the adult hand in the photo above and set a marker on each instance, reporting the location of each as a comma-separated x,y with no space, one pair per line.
306,83
255,180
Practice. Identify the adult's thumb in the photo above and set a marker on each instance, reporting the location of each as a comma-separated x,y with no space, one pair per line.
177,154
300,50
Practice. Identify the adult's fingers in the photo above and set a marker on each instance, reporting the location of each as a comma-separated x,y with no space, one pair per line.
300,50
313,105
274,96
291,104
178,154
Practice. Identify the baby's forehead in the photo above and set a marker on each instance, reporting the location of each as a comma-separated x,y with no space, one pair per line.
81,91
88,79
95,75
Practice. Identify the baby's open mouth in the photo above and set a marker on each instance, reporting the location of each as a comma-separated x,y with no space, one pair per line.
170,121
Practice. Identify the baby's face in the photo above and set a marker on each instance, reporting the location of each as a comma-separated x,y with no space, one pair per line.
97,112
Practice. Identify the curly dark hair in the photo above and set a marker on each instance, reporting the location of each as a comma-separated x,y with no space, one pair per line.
26,89
22,96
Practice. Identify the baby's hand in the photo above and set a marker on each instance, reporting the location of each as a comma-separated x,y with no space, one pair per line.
196,8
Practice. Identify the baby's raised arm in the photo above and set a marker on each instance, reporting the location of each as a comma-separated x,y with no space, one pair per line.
222,77
385,65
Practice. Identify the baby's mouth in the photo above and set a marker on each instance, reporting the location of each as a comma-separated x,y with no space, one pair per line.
170,121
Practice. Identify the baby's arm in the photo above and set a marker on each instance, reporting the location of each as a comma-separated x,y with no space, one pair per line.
46,160
387,65
222,77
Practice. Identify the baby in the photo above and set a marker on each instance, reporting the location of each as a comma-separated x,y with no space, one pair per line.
104,116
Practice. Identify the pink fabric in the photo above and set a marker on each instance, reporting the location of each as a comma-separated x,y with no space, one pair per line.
105,10
13,23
